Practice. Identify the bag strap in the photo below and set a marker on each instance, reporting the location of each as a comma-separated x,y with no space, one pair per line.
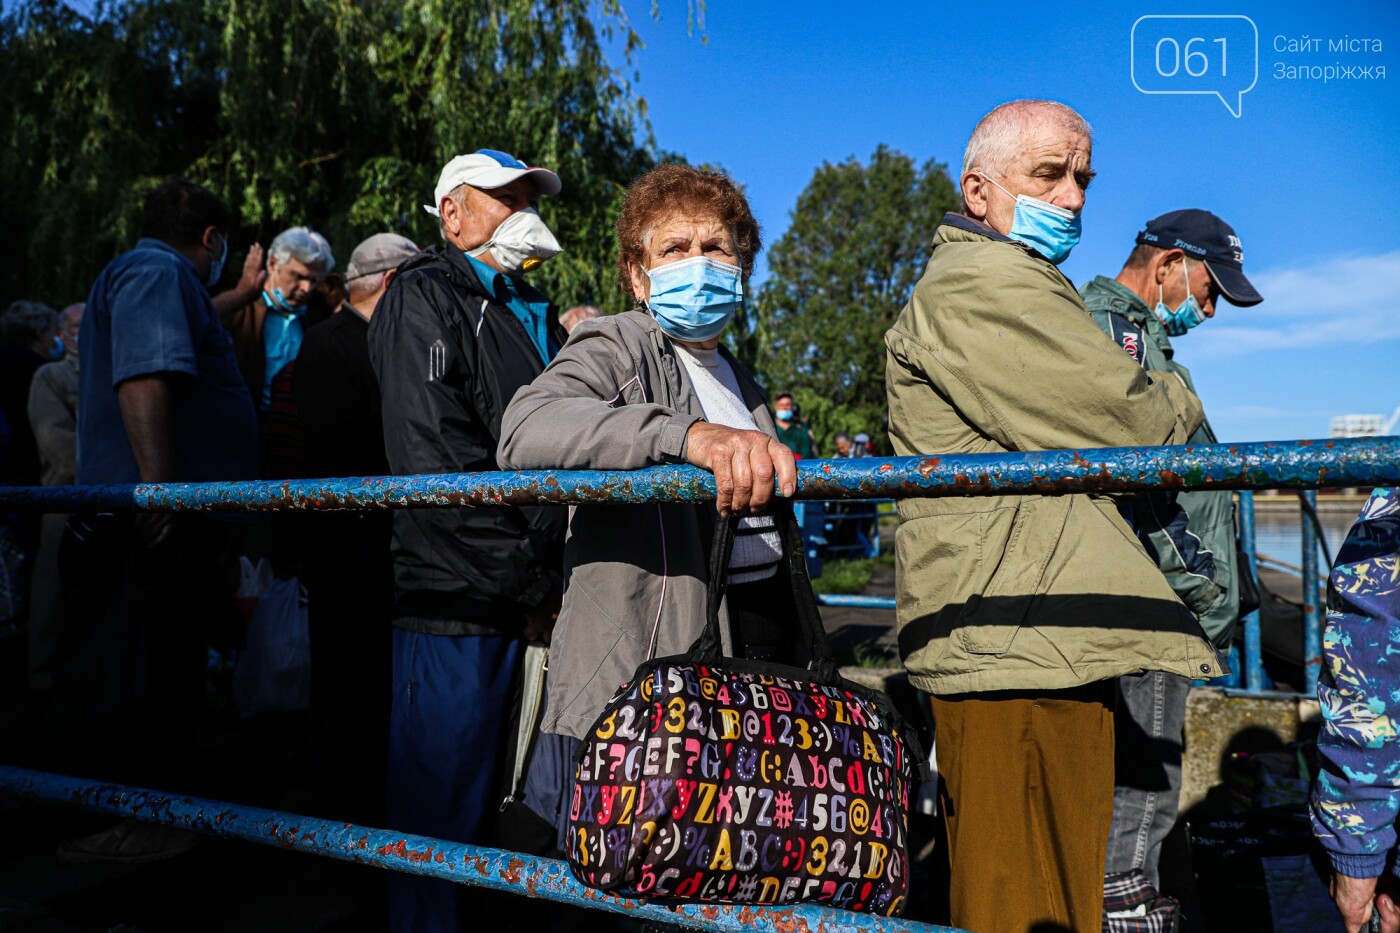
534,668
794,567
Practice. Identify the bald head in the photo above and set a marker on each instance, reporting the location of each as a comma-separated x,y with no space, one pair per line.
577,315
998,138
1038,148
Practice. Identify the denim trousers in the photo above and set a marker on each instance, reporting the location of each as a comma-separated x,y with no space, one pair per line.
1149,726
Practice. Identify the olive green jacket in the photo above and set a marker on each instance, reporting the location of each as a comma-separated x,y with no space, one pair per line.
1209,517
994,353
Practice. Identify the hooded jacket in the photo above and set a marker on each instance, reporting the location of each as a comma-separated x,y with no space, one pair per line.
995,352
448,357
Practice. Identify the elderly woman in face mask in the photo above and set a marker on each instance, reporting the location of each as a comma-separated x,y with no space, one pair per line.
650,386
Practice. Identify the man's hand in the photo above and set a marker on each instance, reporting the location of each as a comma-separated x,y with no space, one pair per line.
744,464
247,288
1390,914
152,528
250,282
1356,899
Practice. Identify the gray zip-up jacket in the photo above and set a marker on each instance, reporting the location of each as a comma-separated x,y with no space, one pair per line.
616,398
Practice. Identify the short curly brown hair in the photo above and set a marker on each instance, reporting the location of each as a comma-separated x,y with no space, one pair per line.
671,188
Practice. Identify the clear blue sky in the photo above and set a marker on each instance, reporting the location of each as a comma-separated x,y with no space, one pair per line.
1309,174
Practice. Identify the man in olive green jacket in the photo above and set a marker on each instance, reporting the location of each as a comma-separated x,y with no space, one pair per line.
1183,263
1018,613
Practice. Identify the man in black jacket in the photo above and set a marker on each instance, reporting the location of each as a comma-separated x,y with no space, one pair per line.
347,568
456,334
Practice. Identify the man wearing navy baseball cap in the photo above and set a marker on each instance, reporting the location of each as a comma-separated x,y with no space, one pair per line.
1183,264
458,331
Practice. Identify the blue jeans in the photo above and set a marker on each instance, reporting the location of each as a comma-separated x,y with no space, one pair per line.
445,735
1149,734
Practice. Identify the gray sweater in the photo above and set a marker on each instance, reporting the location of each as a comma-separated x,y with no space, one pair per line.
617,398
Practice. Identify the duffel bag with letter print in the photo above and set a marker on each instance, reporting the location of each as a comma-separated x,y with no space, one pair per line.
729,780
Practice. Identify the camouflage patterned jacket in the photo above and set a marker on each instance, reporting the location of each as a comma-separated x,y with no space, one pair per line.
1356,797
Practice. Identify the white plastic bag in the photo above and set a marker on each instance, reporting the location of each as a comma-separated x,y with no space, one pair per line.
274,672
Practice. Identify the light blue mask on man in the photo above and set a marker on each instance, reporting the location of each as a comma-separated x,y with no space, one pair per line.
1186,315
1049,230
694,299
278,299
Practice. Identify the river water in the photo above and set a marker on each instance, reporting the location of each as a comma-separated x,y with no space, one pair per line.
1278,531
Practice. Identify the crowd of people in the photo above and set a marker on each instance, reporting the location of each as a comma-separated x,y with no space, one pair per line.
1056,637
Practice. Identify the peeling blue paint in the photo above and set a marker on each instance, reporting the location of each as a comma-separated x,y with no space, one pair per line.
495,869
1364,461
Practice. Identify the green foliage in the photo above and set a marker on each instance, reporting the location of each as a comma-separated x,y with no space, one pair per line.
837,279
333,113
845,577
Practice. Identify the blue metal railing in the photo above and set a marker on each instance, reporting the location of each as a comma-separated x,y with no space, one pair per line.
495,869
1363,461
1270,465
1312,598
1254,679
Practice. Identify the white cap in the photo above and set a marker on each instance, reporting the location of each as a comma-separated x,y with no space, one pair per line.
488,168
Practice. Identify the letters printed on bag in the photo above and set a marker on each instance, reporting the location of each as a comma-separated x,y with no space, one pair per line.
732,766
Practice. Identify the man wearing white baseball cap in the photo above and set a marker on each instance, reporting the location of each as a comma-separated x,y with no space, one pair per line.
453,338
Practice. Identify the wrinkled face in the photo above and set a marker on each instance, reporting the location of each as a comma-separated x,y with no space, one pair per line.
294,277
1198,279
1054,166
685,235
473,223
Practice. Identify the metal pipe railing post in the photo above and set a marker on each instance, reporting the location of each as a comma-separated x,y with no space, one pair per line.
1312,597
1356,461
494,869
1254,679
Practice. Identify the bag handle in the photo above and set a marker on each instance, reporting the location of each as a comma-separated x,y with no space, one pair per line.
794,566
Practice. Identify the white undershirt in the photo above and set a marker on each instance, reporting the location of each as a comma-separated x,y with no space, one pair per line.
758,548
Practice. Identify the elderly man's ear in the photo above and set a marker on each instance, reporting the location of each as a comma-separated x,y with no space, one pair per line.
450,213
974,192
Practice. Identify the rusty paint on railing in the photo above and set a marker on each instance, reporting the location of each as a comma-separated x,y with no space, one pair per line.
1366,461
496,869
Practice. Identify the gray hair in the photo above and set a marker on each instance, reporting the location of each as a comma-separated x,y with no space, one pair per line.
366,284
304,245
999,137
25,320
459,196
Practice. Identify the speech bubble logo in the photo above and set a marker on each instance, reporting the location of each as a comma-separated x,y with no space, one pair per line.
1209,54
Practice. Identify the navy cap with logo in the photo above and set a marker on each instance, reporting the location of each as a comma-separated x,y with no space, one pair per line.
1208,239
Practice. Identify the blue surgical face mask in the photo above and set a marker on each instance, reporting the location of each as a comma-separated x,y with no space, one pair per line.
216,266
1186,315
783,414
56,351
694,299
1051,231
276,299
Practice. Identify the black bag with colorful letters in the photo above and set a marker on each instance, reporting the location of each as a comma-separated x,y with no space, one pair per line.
725,780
